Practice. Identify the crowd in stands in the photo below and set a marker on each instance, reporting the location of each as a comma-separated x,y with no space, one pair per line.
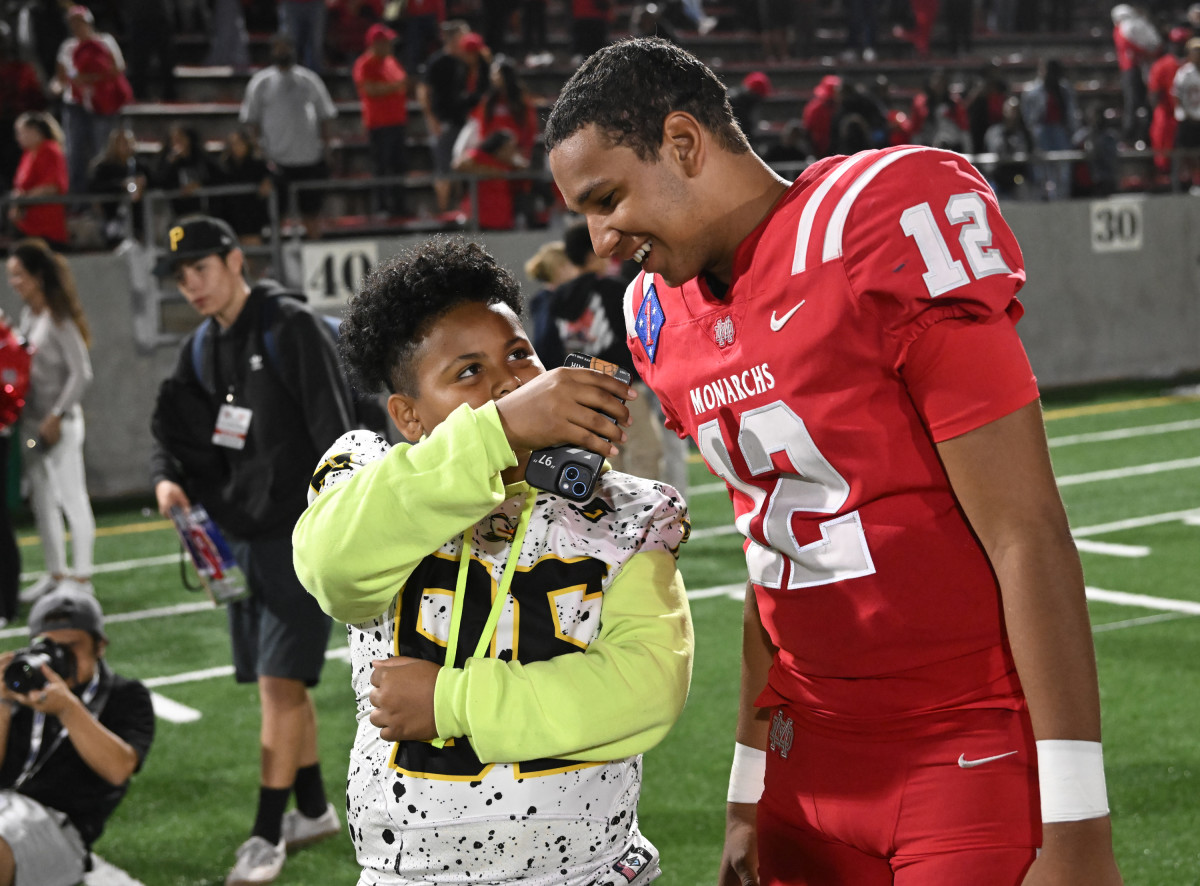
79,80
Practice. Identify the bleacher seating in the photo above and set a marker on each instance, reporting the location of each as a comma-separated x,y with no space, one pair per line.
210,96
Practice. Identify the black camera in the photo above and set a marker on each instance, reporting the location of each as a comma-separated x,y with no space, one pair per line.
24,673
570,471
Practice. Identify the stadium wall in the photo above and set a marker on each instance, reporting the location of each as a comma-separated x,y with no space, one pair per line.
1113,292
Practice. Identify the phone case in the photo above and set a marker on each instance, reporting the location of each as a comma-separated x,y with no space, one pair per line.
570,471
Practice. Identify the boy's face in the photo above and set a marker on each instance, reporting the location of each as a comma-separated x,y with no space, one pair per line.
634,208
210,284
473,354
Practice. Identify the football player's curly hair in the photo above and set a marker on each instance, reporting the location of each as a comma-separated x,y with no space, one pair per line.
403,296
627,89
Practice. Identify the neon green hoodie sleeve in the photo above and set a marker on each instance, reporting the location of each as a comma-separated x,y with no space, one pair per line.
354,551
617,698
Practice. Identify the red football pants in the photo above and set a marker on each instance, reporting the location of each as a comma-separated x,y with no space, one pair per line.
947,799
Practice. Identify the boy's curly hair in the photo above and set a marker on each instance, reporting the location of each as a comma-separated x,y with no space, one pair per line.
628,88
403,296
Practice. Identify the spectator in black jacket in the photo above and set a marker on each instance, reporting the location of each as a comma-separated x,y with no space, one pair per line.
270,423
242,163
119,171
184,165
455,79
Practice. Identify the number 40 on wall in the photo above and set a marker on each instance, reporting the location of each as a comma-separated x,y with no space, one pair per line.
332,272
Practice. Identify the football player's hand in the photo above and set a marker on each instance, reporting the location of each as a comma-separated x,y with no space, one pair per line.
1075,853
169,494
739,862
402,699
569,406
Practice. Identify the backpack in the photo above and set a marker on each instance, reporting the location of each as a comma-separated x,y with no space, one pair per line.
368,411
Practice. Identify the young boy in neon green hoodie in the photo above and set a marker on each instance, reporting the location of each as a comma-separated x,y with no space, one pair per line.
514,652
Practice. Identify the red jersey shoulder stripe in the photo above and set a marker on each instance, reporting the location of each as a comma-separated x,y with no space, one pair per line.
836,226
825,212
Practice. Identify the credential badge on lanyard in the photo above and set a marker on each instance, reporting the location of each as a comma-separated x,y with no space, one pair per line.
233,422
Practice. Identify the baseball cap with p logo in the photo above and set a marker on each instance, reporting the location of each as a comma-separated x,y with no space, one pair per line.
195,238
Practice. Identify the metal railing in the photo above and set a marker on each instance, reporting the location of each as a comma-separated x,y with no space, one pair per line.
155,212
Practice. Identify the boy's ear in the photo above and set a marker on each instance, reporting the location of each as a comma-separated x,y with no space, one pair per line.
403,410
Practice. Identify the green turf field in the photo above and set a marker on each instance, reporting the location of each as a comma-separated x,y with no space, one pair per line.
1129,467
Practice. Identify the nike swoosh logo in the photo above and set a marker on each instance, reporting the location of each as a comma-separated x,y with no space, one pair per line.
971,764
777,322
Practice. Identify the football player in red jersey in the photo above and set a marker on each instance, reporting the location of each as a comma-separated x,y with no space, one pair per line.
918,671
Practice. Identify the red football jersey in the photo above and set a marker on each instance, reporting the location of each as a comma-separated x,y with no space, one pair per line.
794,387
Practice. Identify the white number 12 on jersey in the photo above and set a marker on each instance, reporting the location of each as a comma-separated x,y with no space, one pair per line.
811,485
945,272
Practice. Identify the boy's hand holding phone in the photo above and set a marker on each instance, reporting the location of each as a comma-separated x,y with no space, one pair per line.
569,406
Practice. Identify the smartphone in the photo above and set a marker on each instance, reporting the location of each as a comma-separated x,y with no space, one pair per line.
570,471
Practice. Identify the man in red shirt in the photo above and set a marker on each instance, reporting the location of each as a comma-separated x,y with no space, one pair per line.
383,88
1162,119
918,667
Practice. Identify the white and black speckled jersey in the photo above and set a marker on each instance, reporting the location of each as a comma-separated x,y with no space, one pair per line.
539,779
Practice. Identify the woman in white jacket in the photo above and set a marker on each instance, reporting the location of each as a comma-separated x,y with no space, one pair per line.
53,324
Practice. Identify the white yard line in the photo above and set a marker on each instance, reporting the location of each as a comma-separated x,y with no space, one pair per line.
1178,464
117,565
1112,549
1136,522
1135,622
1125,433
1163,604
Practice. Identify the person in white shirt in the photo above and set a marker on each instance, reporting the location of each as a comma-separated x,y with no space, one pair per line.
1186,89
289,107
52,431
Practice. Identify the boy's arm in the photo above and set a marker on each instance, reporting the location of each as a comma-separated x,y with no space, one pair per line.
357,542
618,698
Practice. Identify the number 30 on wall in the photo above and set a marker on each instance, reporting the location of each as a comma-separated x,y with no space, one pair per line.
944,271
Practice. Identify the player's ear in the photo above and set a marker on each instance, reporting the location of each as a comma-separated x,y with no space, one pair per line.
403,410
684,141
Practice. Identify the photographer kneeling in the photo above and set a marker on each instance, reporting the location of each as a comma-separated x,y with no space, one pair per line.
72,733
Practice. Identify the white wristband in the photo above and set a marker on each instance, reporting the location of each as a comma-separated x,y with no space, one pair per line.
1071,779
748,775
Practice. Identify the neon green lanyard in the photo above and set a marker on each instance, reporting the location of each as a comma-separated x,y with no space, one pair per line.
501,598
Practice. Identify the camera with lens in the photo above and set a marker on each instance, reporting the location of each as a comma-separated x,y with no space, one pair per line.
24,673
570,471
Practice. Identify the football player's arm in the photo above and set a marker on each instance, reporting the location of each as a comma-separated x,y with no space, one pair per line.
617,698
357,543
739,861
1002,477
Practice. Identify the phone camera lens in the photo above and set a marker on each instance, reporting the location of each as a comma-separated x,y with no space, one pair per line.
571,473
